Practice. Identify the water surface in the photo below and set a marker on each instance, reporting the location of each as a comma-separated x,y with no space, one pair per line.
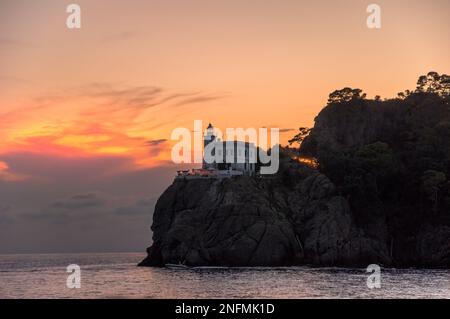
115,275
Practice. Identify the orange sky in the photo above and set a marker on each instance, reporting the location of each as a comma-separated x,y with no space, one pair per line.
138,69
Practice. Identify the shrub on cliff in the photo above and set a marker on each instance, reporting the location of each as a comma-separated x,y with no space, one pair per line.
390,157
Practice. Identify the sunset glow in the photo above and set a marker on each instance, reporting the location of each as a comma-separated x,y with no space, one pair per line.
111,89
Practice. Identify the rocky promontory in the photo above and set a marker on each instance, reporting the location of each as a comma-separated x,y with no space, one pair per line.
380,194
258,222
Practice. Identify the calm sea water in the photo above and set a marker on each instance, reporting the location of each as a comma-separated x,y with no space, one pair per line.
115,275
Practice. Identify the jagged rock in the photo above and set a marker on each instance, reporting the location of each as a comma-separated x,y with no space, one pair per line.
378,215
257,222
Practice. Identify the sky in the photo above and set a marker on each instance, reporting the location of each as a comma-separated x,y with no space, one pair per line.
86,114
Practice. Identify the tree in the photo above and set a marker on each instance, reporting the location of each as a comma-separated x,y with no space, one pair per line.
346,95
432,181
403,95
303,133
377,157
434,83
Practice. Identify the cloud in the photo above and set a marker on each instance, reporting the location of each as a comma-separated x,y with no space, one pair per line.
80,201
286,130
199,99
142,97
75,204
91,162
100,118
140,207
282,130
158,146
121,107
156,142
96,205
83,223
9,176
48,167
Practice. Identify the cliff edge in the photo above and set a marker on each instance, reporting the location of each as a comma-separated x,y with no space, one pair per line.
380,194
247,221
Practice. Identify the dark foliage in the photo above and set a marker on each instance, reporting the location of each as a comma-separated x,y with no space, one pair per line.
396,166
301,135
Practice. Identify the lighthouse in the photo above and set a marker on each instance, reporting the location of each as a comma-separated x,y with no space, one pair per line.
209,137
232,157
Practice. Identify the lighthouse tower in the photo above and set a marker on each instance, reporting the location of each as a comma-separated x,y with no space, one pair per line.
208,138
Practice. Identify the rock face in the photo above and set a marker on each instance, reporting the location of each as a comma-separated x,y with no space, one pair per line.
391,215
258,222
342,127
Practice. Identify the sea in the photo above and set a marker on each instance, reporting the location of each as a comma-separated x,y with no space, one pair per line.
115,275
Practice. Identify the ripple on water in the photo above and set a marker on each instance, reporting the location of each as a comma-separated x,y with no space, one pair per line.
116,276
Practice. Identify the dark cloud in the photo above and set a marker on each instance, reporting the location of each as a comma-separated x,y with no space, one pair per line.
54,213
141,207
80,201
282,130
156,142
119,224
199,99
141,97
173,97
157,146
134,97
63,170
91,207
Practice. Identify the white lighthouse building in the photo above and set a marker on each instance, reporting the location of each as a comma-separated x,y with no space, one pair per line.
232,156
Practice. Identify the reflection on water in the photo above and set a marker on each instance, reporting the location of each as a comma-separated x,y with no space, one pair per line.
116,276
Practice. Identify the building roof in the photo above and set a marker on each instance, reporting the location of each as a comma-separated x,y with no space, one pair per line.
235,143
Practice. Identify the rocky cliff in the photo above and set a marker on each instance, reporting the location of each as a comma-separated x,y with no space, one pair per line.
380,195
259,222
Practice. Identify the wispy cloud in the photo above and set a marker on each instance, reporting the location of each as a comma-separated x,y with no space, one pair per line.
158,146
92,205
156,142
7,175
142,97
200,99
80,201
100,119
